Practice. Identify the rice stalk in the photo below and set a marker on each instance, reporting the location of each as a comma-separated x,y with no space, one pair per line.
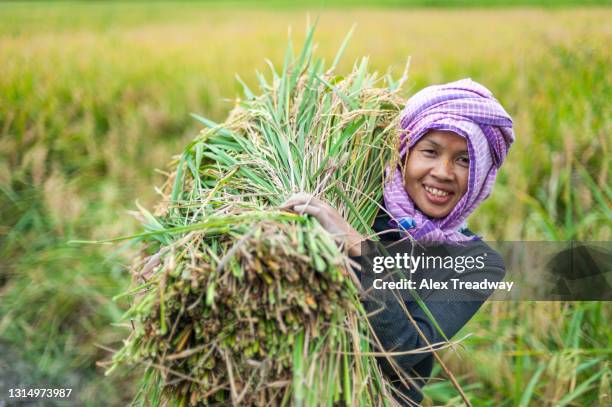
236,302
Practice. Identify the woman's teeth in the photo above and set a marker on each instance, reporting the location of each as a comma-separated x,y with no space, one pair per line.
435,191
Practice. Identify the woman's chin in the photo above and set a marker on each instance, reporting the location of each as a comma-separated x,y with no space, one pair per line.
436,215
434,211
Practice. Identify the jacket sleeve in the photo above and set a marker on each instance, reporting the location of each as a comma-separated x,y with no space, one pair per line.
397,333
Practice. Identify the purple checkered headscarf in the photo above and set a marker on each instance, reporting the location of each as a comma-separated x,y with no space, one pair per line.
469,110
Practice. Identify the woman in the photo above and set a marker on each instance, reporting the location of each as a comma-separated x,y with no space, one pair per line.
455,137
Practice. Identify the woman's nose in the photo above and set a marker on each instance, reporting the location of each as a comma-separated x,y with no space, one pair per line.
443,169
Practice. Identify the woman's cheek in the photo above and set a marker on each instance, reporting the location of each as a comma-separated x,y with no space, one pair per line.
463,180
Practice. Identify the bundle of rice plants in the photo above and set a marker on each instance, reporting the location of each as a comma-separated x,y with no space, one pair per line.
238,302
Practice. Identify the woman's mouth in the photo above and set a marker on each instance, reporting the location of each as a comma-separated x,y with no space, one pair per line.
437,196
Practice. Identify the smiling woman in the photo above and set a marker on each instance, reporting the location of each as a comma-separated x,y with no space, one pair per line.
436,173
454,139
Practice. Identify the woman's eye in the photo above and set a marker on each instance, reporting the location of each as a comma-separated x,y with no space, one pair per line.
429,153
464,161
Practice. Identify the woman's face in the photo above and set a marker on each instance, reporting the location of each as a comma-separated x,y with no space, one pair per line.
436,172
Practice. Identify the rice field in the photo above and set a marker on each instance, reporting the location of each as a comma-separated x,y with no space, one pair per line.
95,102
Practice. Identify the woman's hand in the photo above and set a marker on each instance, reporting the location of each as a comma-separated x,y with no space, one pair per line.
328,217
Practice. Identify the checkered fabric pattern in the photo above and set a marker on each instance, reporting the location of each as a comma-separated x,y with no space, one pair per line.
468,109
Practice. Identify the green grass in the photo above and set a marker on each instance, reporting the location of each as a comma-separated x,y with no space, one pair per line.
93,98
25,17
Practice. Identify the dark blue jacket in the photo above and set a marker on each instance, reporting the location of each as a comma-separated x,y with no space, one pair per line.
397,333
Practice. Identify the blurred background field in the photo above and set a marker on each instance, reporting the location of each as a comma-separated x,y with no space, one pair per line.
95,97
